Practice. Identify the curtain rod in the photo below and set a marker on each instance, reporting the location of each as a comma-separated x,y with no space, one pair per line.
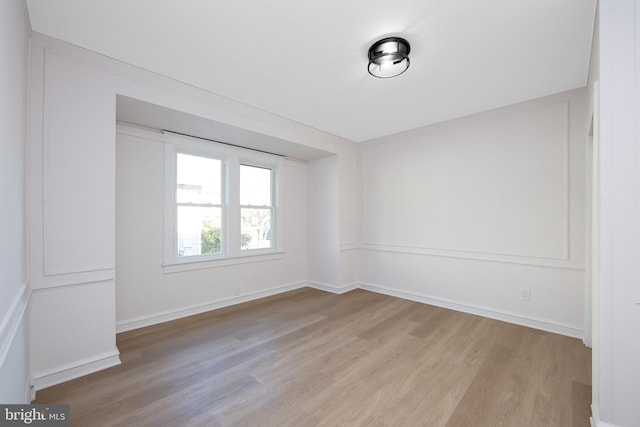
224,143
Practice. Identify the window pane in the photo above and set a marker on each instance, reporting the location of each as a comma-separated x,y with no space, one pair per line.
198,179
255,229
255,186
198,230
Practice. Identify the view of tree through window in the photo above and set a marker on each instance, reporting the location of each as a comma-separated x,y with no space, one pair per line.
199,205
255,207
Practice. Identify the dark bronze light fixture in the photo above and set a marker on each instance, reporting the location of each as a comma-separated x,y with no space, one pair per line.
389,57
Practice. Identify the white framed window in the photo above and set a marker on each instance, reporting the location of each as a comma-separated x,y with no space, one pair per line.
256,207
221,204
198,190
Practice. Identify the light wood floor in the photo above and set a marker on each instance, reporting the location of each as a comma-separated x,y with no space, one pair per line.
310,358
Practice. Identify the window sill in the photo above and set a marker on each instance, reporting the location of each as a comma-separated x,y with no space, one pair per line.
178,267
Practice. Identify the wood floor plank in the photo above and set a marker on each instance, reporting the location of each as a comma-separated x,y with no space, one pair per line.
310,358
508,379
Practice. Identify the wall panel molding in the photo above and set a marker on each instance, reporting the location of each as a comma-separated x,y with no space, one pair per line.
70,132
477,256
12,320
73,279
72,284
556,108
351,246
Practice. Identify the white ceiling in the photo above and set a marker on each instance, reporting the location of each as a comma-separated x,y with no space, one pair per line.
306,60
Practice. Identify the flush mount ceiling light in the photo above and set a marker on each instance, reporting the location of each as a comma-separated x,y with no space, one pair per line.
389,57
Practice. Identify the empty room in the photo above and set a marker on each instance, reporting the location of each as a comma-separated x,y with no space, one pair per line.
320,213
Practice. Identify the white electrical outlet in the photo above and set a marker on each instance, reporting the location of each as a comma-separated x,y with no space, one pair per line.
525,295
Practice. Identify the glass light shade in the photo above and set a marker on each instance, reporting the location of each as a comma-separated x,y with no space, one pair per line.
389,57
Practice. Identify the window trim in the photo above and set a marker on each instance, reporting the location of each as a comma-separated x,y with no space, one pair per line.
271,207
222,206
231,157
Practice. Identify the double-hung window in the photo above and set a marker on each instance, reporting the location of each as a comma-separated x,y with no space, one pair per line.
221,204
198,194
256,207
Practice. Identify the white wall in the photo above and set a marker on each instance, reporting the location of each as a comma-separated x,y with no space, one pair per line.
592,189
351,198
144,293
468,213
335,212
592,276
73,207
14,292
323,194
72,218
616,325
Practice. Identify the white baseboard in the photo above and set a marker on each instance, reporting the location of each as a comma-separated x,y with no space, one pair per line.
595,423
517,319
71,371
9,327
29,390
168,315
595,419
335,289
161,317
